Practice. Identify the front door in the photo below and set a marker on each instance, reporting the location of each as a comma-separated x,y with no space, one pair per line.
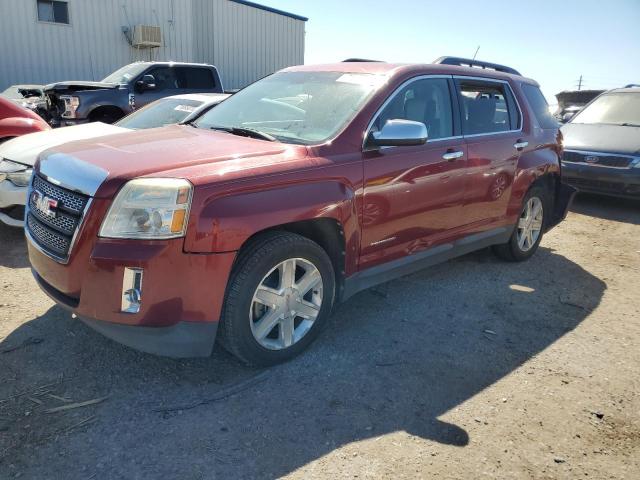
413,194
166,85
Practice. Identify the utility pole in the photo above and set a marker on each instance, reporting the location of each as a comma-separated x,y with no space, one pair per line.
580,83
474,55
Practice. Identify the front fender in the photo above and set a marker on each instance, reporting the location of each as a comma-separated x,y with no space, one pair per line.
224,223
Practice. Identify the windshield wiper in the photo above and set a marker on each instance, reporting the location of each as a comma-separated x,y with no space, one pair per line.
246,132
627,124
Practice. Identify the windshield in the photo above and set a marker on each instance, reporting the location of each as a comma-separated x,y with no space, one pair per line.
125,74
162,112
614,108
295,107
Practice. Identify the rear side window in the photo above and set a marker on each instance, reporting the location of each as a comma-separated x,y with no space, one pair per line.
195,78
539,106
427,101
487,107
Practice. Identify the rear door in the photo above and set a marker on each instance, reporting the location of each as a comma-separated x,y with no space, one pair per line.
196,79
492,127
413,194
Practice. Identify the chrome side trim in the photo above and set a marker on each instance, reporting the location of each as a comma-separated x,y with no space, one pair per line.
72,173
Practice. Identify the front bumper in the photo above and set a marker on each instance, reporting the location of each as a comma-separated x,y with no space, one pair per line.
11,196
56,122
181,294
618,182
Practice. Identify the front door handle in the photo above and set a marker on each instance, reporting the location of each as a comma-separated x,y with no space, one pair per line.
452,155
520,145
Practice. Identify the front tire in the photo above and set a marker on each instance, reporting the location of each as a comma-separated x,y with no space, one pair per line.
527,235
279,297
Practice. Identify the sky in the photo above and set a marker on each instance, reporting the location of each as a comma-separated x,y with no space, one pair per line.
553,42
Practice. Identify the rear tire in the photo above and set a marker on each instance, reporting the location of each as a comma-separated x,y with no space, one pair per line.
528,232
279,297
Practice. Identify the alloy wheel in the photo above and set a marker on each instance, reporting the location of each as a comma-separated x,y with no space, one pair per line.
286,303
530,224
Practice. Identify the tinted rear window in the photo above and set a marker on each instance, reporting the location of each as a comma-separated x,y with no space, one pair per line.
539,106
195,78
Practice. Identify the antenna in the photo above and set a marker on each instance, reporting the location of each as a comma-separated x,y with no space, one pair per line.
474,55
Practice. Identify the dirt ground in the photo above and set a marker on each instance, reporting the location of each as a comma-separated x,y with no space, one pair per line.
472,369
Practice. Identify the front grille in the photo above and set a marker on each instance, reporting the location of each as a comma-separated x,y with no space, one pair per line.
53,230
47,238
601,159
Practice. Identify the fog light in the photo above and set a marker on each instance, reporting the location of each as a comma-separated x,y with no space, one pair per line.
131,290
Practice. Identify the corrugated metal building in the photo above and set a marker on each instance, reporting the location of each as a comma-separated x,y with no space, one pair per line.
45,41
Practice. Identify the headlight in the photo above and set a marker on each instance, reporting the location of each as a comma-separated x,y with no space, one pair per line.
149,208
636,163
71,104
16,173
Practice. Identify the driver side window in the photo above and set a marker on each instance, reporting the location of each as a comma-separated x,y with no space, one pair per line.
165,78
426,101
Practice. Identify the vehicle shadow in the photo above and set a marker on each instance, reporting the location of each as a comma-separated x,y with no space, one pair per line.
393,358
13,248
608,208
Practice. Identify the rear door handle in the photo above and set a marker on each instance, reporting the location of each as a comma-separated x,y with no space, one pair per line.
520,145
452,155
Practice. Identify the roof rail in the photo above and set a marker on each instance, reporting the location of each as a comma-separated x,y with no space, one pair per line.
632,85
467,62
361,60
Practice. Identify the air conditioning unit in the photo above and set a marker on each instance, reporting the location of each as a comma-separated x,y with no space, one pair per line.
146,36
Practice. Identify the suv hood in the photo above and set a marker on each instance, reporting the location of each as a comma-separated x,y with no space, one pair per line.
601,138
99,167
78,86
25,149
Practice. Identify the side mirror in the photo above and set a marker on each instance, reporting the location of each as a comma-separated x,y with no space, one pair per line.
567,116
397,133
148,82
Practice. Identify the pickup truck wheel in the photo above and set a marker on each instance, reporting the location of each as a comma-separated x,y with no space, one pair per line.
527,234
279,296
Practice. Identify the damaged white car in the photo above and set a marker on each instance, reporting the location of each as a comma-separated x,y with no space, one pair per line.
17,156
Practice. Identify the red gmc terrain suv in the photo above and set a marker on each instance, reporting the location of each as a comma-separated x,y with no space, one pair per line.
302,189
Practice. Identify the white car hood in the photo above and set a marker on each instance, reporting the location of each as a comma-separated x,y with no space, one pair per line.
25,149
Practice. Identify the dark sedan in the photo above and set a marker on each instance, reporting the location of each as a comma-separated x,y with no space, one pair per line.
602,145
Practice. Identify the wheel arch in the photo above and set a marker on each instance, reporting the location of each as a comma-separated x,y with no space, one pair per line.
323,211
328,233
116,111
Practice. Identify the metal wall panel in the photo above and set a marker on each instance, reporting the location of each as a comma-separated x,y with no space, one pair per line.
244,42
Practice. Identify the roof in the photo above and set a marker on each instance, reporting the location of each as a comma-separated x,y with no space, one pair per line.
171,62
389,69
625,90
270,9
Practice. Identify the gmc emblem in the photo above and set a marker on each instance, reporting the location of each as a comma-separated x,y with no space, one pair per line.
45,204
